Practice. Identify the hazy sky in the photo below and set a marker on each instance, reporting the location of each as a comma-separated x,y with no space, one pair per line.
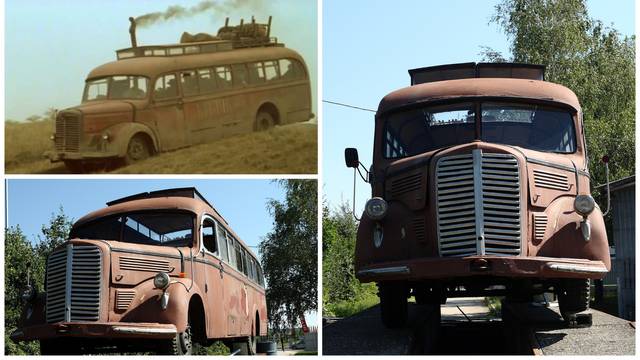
50,46
368,46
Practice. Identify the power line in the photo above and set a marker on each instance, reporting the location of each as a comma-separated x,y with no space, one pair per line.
349,106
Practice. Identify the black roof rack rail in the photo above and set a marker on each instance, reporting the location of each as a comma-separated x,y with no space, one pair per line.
188,192
476,70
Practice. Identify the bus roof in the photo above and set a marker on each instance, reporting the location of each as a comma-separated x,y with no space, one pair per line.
196,205
154,65
524,89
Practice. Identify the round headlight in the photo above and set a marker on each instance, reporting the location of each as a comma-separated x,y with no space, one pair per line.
584,204
161,280
376,208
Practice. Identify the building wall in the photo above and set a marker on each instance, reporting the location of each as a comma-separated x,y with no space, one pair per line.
624,214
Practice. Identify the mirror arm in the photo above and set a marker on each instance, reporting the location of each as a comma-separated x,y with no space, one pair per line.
353,211
606,171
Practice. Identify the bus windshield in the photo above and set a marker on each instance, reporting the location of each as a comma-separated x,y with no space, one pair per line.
424,129
116,87
164,228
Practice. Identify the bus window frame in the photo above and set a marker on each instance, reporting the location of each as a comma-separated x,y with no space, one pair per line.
178,85
201,237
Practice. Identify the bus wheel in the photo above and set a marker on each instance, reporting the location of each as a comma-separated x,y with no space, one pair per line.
181,344
393,304
264,121
573,297
137,150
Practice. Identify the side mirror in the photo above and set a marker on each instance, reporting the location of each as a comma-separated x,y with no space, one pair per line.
351,157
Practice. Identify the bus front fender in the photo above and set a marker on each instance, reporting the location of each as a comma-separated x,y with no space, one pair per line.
119,136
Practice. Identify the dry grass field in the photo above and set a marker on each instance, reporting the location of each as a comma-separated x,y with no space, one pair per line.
290,149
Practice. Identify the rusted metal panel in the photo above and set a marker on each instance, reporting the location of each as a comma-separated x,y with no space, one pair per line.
232,302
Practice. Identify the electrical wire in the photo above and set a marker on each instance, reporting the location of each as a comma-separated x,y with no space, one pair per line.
347,105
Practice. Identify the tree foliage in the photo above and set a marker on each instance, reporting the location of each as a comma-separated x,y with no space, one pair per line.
339,284
593,60
290,255
26,261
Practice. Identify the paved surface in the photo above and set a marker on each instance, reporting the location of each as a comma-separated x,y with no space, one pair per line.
608,335
364,334
527,329
474,308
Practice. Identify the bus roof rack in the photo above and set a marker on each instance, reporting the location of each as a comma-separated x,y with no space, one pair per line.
188,192
476,70
228,37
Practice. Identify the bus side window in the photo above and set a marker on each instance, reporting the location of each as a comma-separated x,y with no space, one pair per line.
287,71
238,257
271,70
223,77
166,87
222,243
206,81
189,83
239,75
209,235
256,73
245,262
232,251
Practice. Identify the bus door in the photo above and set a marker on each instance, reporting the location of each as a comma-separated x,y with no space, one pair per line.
168,109
214,251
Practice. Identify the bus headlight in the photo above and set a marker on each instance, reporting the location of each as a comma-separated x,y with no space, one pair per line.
376,208
161,280
106,136
584,205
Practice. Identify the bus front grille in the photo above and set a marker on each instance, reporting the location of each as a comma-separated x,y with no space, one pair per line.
67,132
478,205
73,284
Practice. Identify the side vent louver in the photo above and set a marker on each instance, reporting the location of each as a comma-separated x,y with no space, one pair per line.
405,184
139,264
550,180
124,298
419,229
539,226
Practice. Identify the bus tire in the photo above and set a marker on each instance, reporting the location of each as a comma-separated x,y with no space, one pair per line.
264,121
137,150
393,305
573,297
181,344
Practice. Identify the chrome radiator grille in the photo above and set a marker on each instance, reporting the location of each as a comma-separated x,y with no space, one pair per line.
478,204
73,284
67,132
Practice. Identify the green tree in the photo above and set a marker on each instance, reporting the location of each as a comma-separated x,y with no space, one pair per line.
26,261
290,255
593,60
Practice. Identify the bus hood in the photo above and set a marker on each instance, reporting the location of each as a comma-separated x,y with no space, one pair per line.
105,107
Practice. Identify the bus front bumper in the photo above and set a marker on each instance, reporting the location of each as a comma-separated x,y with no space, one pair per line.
498,266
85,155
95,330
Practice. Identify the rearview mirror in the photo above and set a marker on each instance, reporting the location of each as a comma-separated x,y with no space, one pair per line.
351,157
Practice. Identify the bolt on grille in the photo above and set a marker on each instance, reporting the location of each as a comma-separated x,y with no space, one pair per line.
73,284
67,132
478,204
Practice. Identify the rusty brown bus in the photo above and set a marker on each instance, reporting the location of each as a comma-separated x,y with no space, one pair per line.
480,186
160,98
155,271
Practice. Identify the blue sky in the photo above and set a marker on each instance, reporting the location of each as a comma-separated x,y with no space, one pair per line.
50,46
368,46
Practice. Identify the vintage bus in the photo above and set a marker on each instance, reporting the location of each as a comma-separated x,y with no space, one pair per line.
155,271
480,186
160,98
